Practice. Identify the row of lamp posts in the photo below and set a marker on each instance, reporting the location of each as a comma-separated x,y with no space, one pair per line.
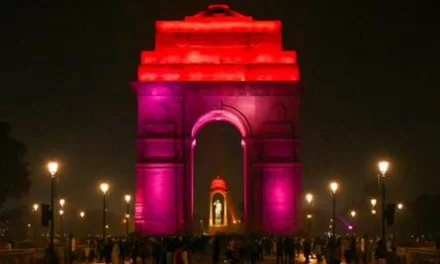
104,187
383,169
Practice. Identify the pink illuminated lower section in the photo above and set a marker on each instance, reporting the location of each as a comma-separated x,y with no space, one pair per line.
278,201
159,208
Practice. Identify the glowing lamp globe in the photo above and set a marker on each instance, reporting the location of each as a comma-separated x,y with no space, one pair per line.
104,187
52,167
334,187
309,198
383,167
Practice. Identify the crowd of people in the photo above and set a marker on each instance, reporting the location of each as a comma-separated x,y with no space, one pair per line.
230,249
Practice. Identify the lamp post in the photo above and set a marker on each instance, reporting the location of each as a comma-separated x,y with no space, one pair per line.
61,212
334,187
82,214
62,202
309,199
35,210
353,215
373,202
127,199
52,167
383,168
309,219
104,188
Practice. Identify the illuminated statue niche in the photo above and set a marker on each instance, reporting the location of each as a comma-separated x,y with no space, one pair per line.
220,208
218,66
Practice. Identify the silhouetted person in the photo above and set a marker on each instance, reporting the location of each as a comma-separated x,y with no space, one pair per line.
279,248
307,250
216,250
134,252
289,250
108,248
181,254
381,252
351,252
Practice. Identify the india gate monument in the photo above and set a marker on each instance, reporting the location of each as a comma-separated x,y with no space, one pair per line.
217,65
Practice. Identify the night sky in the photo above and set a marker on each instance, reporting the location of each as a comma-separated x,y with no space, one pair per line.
370,73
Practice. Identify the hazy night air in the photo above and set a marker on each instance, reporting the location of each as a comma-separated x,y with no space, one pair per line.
369,70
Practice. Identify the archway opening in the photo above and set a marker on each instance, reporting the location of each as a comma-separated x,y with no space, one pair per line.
218,151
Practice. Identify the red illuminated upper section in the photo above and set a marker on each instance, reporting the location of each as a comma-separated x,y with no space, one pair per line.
218,44
218,184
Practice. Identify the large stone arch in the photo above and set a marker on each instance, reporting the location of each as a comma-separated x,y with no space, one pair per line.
235,118
226,114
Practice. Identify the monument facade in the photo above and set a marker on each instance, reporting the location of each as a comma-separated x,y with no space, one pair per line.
217,66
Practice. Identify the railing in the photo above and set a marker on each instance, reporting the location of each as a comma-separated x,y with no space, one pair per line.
408,255
21,256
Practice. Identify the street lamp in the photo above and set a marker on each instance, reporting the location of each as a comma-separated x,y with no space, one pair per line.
61,212
62,202
104,188
309,198
400,206
35,207
82,214
383,169
52,167
373,202
334,187
353,213
127,199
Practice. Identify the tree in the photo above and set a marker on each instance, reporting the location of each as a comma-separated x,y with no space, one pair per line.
14,173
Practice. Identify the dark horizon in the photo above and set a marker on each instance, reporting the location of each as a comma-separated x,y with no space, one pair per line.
369,74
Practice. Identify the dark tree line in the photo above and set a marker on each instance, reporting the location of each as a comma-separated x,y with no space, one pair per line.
14,173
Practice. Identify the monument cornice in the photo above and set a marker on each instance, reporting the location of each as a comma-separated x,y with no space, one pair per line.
217,88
